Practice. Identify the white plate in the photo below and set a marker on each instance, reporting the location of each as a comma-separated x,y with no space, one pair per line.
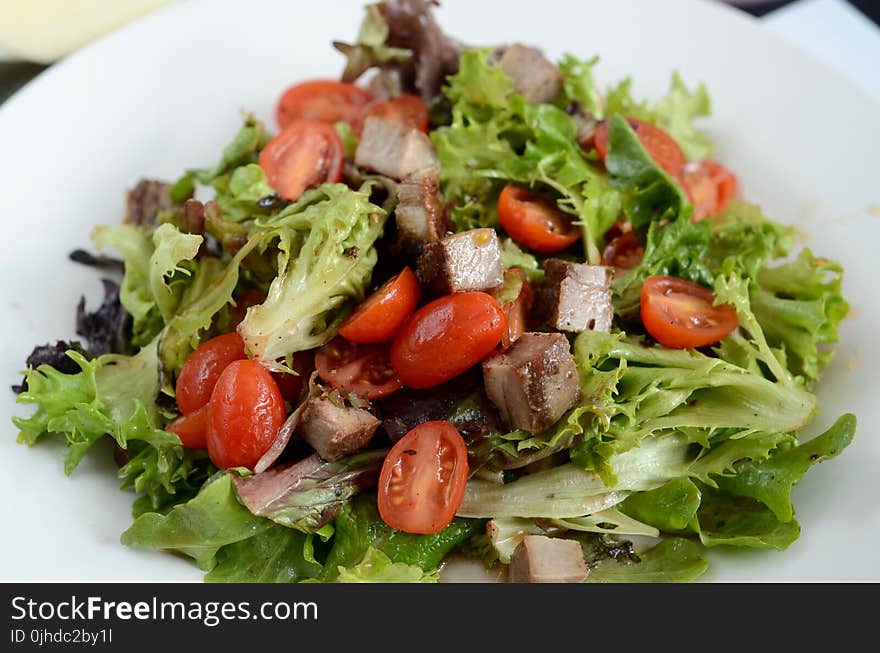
165,93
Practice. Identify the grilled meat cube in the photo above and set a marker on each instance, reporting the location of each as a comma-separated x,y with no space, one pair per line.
391,148
335,431
468,260
534,382
420,214
542,559
534,76
575,296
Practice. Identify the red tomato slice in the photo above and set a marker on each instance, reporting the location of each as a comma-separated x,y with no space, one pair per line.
244,415
379,317
657,143
364,370
709,186
535,221
680,314
411,110
328,101
307,153
423,479
204,366
623,253
191,429
446,337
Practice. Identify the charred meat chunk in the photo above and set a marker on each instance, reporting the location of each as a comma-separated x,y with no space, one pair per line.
335,430
534,382
145,200
468,260
420,214
391,148
534,76
575,297
542,559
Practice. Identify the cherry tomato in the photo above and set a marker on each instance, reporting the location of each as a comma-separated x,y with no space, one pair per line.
328,101
657,143
623,253
446,337
201,370
709,186
517,310
244,415
423,479
379,317
680,314
411,110
535,221
307,153
364,370
250,297
192,428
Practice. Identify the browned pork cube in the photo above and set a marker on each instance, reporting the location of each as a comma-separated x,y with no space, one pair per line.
534,382
534,76
336,431
542,559
419,214
391,148
575,297
468,260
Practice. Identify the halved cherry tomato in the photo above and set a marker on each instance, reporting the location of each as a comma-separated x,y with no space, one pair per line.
364,370
657,143
446,337
250,297
244,415
192,428
516,310
203,367
307,153
710,187
423,479
623,253
379,316
680,314
326,100
535,221
411,110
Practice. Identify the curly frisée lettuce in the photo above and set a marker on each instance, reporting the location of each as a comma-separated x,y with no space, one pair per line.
657,454
326,257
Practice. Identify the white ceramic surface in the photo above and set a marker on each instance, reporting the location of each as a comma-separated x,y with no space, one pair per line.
166,93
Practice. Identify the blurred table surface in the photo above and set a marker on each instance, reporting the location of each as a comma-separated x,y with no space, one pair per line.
14,75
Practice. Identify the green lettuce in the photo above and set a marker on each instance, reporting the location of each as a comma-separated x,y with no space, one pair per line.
326,257
673,560
358,530
578,84
376,567
496,137
113,395
158,267
675,113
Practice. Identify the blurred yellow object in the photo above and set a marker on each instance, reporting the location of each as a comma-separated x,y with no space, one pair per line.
43,31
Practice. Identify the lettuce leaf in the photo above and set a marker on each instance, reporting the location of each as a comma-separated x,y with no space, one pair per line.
326,258
113,395
358,530
674,113
578,84
376,567
673,560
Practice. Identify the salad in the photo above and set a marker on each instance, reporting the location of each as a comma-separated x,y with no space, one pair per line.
462,301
